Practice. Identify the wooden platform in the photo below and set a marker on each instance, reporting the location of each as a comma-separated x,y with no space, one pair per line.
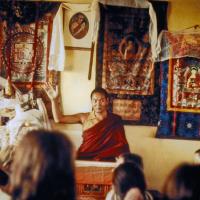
93,179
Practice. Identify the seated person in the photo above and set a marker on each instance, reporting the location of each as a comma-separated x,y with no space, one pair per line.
103,132
138,161
43,167
127,176
183,183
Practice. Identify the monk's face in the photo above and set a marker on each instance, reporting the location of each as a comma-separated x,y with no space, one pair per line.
99,103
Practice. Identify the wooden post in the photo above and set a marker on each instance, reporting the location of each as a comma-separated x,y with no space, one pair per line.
91,61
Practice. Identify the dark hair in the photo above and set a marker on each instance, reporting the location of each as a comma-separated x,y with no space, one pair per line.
43,167
183,183
127,176
133,158
197,151
101,91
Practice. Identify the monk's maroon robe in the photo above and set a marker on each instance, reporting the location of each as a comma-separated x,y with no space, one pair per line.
104,141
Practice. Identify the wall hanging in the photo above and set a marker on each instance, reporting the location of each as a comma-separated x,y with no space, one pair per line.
180,84
125,54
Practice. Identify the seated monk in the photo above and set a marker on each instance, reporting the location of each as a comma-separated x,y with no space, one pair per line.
103,132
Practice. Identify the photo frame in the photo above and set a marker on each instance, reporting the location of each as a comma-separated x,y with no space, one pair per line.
78,27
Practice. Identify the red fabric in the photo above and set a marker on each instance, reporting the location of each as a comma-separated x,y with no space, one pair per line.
104,141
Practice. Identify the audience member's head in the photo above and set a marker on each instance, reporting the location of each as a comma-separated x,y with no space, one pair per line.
128,176
130,158
183,183
43,167
197,156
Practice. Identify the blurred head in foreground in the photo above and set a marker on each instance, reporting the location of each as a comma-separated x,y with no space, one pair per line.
183,183
43,167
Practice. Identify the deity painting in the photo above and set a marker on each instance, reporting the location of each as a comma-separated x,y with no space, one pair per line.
184,85
125,66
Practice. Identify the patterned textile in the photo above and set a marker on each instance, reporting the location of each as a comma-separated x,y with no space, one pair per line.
24,40
125,66
57,50
184,85
179,44
174,124
25,33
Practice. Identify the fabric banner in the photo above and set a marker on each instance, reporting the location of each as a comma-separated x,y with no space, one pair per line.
139,5
184,85
177,124
25,46
125,65
18,52
179,44
25,33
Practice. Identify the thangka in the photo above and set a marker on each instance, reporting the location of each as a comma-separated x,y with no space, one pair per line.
24,41
180,84
125,65
174,123
178,44
184,85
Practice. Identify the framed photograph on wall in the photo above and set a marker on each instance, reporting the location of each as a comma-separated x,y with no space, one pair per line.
77,26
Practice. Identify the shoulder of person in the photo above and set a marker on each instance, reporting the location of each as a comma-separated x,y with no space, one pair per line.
111,195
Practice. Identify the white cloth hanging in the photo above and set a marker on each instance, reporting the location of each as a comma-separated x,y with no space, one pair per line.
57,49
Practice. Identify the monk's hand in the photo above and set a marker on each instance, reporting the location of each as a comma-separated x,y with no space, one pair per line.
50,91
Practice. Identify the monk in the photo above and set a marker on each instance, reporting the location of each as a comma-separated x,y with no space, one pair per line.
103,132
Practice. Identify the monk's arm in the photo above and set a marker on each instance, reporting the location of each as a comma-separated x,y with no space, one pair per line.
57,113
69,119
